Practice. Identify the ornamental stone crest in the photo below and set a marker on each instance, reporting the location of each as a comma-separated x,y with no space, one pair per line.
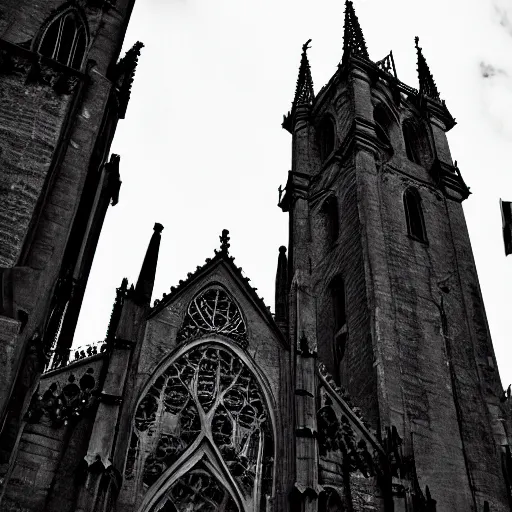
213,311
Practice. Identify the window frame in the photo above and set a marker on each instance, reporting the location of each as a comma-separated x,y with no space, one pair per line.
411,197
80,40
326,125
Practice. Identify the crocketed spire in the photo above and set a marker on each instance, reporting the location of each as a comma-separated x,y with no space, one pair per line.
304,94
354,44
427,85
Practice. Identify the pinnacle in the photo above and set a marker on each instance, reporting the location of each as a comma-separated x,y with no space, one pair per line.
427,85
354,44
304,94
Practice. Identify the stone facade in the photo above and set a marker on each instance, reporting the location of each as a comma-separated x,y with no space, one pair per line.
374,387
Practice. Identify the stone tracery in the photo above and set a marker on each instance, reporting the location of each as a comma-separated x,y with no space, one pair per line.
208,395
213,311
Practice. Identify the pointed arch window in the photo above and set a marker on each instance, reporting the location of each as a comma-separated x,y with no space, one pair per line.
414,215
65,39
210,411
327,137
417,146
340,321
330,211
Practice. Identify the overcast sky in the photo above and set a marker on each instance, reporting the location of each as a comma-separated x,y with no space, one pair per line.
202,148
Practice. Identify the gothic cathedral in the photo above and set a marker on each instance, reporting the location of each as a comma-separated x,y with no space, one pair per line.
372,387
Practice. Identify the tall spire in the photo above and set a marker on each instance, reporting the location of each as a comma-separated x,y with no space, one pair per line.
304,94
281,286
354,44
146,281
427,85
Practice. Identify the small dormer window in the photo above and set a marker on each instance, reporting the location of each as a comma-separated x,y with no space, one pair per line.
65,39
327,136
414,215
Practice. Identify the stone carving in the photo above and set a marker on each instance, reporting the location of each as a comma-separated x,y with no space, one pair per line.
342,393
197,490
206,394
214,311
62,405
335,434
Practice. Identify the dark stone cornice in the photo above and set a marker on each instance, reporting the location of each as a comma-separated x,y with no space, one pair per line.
449,179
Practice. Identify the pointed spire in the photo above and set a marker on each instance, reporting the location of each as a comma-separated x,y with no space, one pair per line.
304,93
281,286
354,44
427,85
146,281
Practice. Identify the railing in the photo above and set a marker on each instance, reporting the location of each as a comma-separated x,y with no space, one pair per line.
59,358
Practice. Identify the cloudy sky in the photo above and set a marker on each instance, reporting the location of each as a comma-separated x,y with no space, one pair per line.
202,146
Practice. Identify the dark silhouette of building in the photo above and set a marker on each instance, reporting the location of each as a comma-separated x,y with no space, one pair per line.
373,387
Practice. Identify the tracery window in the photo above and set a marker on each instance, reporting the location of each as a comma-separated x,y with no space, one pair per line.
213,311
65,39
209,400
414,215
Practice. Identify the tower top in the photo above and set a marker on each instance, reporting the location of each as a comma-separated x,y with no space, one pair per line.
354,44
427,85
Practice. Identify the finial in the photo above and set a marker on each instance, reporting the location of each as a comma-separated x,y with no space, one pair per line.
158,228
427,85
354,44
224,241
304,93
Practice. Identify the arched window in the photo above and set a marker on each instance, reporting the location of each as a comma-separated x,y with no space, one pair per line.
65,39
326,137
411,141
340,321
206,406
330,211
417,146
414,215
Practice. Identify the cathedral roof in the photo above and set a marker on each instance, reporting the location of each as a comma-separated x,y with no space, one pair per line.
221,257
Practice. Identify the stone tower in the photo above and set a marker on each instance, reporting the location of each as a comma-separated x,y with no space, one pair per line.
383,287
62,93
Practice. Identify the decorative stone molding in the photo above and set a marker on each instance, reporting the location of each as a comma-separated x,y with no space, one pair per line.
60,406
